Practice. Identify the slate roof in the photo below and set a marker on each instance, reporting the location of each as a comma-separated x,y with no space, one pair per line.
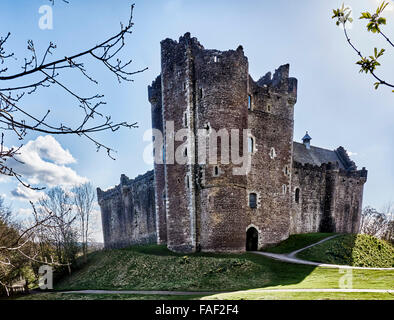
315,155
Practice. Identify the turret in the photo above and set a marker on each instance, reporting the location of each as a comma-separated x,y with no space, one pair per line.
306,140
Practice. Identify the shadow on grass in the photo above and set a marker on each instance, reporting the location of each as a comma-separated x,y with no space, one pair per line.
154,267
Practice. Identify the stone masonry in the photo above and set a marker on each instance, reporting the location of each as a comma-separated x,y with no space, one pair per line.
290,188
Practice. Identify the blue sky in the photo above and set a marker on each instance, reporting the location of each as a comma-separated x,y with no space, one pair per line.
336,104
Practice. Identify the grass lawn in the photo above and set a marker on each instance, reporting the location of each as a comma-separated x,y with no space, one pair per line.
298,241
80,296
356,250
239,295
250,295
156,268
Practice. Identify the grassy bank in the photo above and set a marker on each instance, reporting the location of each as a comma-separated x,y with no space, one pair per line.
298,241
156,268
354,250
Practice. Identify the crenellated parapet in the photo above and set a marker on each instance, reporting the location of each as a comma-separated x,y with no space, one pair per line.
125,182
280,81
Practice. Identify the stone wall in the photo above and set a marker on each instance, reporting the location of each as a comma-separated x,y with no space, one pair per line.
307,212
128,212
330,198
154,94
271,123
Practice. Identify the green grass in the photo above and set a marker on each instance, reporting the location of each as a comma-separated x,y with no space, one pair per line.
355,250
298,241
240,295
156,268
81,296
301,296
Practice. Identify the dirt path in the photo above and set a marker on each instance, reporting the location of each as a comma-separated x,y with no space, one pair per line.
291,258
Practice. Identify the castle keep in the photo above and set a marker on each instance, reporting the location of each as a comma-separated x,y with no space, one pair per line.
289,187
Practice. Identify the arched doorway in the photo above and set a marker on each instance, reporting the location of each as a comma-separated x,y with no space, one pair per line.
252,238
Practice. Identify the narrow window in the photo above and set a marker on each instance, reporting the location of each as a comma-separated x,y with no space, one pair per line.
164,154
215,59
184,86
297,195
185,152
272,153
187,182
250,145
216,171
249,102
185,119
284,189
200,92
269,108
253,200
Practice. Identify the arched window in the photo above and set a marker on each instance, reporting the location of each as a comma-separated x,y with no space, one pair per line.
297,195
250,144
216,171
253,200
249,102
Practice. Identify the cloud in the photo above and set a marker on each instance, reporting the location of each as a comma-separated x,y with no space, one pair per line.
43,161
25,194
352,154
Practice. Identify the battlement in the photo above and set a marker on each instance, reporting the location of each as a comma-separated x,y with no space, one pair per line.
333,166
154,90
124,182
185,40
359,174
312,167
280,81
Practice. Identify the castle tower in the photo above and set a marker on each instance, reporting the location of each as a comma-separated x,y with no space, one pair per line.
154,94
271,121
202,90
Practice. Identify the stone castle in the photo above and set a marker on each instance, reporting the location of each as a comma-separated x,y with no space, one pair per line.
290,188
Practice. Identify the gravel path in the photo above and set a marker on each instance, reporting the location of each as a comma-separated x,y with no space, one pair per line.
291,258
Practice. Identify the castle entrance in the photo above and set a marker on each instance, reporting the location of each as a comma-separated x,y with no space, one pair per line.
252,238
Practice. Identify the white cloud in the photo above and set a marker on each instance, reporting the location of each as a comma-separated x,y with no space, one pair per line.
25,194
352,154
48,148
43,161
